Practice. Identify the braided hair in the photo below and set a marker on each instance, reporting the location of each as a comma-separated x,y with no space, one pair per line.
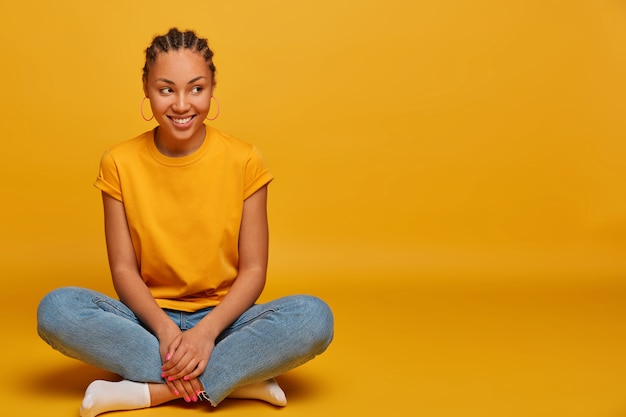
176,40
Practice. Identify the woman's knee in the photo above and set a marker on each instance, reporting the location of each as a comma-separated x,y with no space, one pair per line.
318,319
56,300
55,307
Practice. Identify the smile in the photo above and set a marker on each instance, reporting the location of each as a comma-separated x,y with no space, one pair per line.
181,121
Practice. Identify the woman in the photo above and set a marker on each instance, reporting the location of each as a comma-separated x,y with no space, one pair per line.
187,239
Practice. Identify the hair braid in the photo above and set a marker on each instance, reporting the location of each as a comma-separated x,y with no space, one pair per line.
175,40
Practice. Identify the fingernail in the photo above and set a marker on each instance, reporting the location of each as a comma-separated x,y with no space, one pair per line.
168,356
187,399
176,392
198,392
169,378
163,375
186,378
194,399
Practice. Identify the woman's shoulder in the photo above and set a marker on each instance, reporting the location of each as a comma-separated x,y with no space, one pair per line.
227,138
227,141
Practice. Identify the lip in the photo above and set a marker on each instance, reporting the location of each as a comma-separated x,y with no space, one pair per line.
187,120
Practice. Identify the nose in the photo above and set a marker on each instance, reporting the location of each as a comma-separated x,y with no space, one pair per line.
181,103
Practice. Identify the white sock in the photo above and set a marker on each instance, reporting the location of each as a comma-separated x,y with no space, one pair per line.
103,396
268,391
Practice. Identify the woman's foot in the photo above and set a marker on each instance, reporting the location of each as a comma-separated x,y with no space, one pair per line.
267,391
103,396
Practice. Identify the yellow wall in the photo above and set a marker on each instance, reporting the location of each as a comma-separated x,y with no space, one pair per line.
444,139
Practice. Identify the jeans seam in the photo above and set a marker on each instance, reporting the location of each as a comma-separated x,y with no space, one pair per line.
255,318
99,301
233,329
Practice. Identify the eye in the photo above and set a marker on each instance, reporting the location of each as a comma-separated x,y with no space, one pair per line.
197,90
165,90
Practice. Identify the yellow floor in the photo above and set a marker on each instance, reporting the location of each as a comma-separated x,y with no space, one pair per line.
423,350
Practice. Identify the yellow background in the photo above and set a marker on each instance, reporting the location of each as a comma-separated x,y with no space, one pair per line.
449,176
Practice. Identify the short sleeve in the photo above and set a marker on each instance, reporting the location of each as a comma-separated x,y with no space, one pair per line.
256,173
108,180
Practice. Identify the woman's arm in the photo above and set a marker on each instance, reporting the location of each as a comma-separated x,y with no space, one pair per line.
192,354
128,284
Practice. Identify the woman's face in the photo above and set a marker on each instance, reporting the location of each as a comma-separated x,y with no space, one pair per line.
179,86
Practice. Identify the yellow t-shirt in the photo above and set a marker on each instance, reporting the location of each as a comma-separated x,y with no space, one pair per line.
184,213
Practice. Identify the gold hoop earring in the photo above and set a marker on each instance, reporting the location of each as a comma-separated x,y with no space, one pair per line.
218,109
141,110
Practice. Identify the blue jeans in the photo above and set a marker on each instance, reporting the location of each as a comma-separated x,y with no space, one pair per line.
265,341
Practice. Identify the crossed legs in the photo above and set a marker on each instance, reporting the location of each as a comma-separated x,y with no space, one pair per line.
266,341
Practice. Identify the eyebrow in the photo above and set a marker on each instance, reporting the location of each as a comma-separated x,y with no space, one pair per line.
165,80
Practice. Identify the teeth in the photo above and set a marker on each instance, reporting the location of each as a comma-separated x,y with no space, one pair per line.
181,121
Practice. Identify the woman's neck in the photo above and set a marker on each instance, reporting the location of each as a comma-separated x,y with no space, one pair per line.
179,148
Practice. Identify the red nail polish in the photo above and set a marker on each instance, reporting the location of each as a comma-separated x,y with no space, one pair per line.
169,378
186,378
187,399
176,392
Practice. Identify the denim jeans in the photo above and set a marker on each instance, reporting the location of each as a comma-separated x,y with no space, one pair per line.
265,341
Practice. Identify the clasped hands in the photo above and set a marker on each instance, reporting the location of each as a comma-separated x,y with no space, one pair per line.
185,357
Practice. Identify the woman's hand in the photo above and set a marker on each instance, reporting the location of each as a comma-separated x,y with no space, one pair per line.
185,357
176,387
